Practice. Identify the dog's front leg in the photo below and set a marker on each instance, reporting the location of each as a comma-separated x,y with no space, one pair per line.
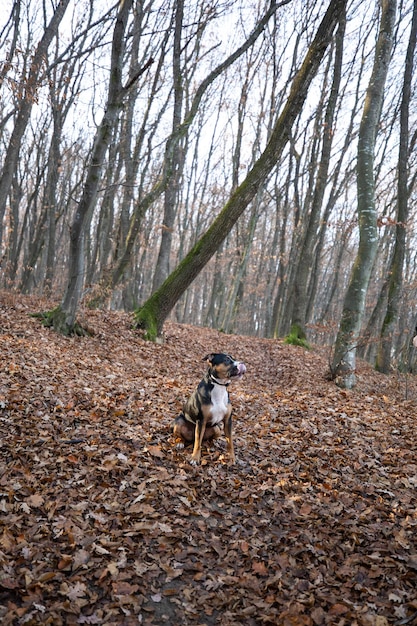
229,435
200,429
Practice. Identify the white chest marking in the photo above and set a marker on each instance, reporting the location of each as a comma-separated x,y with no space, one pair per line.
220,401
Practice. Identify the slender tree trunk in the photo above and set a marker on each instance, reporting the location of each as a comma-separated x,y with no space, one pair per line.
63,318
180,134
309,244
285,296
216,293
281,294
237,287
339,185
368,348
48,210
383,361
157,308
344,359
29,97
174,157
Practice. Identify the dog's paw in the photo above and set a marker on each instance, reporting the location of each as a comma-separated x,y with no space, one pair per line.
180,446
194,462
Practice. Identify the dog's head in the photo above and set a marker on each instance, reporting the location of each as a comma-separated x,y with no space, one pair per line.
224,367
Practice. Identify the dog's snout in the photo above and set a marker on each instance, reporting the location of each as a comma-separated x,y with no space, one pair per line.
238,369
241,368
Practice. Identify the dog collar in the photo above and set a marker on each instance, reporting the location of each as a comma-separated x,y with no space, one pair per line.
218,382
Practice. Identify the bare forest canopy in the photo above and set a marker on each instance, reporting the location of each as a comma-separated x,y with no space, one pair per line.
145,118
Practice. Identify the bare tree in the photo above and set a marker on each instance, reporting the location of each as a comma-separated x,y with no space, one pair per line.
63,318
395,274
174,156
344,358
25,106
64,80
308,248
185,138
154,312
180,133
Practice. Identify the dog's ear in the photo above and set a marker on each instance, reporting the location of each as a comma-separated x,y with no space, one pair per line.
208,358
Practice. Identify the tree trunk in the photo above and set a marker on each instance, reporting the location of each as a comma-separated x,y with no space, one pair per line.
153,313
344,359
48,209
383,361
237,287
180,134
174,157
29,97
309,244
64,318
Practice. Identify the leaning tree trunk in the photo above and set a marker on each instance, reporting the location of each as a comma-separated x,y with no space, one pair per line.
344,358
383,361
180,134
152,315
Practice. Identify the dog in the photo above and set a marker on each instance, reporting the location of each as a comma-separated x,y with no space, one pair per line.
209,405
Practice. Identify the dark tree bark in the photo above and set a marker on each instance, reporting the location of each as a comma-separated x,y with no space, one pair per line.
179,135
10,31
152,315
309,243
395,276
61,100
344,358
28,98
174,159
63,318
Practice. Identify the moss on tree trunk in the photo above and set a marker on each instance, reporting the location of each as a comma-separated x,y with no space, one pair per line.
57,319
297,336
151,316
146,319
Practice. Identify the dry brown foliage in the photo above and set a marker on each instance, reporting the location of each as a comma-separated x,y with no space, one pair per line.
105,522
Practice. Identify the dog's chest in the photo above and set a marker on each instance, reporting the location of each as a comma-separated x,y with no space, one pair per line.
219,403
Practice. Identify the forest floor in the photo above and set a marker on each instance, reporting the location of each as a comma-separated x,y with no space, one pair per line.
105,522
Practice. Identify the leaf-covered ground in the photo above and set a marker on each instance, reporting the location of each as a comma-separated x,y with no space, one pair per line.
105,522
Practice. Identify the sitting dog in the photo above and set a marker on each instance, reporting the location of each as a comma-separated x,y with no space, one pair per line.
209,405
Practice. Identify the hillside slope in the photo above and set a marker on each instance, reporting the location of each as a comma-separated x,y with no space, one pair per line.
105,522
